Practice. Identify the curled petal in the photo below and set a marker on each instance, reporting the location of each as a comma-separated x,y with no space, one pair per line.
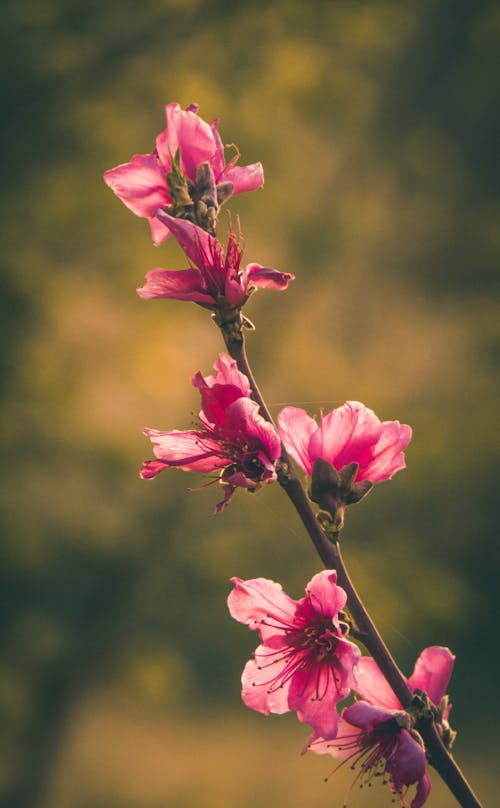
406,764
432,672
366,716
244,178
181,284
150,468
388,452
267,278
423,791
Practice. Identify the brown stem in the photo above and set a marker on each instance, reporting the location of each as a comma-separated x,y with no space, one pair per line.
329,552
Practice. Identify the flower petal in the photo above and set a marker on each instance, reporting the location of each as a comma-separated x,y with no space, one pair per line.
267,278
260,602
371,685
226,372
244,178
423,791
243,419
432,672
159,231
198,245
188,132
189,450
388,453
140,184
314,695
150,468
296,427
406,764
346,435
181,284
366,716
324,595
258,694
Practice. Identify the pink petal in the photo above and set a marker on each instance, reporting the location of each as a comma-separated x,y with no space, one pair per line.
260,599
226,372
314,696
150,468
140,184
266,278
243,419
187,131
198,245
371,685
182,284
346,435
186,450
325,596
366,716
296,427
432,672
244,178
423,791
235,290
159,231
407,763
258,694
388,453
342,746
216,400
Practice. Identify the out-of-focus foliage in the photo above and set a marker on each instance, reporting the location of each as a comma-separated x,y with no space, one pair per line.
377,123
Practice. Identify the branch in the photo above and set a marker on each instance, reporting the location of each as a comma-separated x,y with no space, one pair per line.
329,552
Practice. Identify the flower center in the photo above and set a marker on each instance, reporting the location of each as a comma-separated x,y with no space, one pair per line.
318,639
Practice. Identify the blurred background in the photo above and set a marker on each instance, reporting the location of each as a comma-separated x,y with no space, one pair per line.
377,124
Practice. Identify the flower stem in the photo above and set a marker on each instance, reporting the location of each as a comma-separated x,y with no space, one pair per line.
329,552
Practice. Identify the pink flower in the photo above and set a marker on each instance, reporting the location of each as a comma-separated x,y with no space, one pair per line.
142,183
232,439
381,741
378,735
350,434
217,281
349,451
304,662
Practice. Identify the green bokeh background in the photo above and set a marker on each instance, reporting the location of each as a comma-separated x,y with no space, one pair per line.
378,125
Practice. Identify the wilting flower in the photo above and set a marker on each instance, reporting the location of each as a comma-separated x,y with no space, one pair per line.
382,743
304,663
232,440
349,451
186,169
217,280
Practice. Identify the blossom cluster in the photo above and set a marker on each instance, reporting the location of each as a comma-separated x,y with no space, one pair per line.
306,661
